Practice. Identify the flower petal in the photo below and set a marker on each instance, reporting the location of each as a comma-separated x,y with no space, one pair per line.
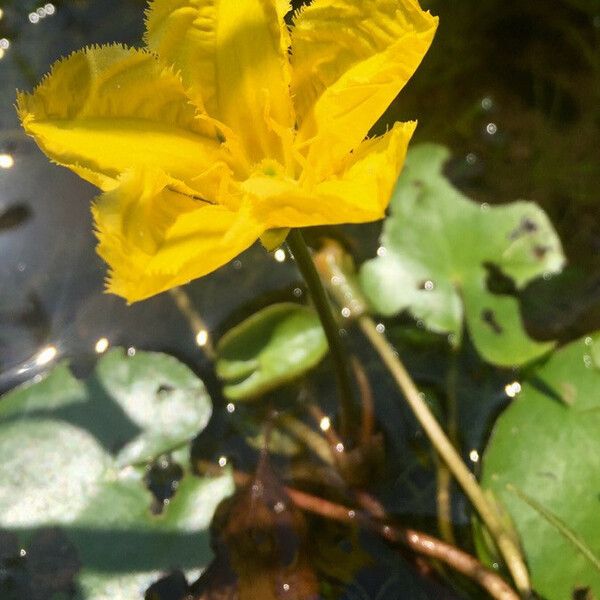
349,61
105,110
155,238
232,55
359,194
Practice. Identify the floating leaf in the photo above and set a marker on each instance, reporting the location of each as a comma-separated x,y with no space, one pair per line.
272,347
543,464
439,249
137,407
65,484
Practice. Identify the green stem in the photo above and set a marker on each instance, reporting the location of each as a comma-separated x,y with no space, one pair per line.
505,543
305,263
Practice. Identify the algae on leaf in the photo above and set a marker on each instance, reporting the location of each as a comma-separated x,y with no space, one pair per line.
437,252
543,464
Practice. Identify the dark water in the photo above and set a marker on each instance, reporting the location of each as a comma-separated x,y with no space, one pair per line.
512,88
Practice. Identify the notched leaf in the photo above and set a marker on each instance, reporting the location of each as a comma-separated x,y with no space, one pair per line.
444,254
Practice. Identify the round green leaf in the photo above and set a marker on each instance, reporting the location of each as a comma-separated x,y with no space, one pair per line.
159,395
272,347
437,247
543,464
61,478
137,407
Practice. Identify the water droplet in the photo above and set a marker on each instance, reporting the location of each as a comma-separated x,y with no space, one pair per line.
420,324
429,285
202,338
587,361
512,389
547,275
452,339
484,206
279,255
22,553
49,8
6,161
588,341
131,351
257,489
279,507
380,327
336,280
487,103
471,158
286,587
46,355
297,292
351,514
41,11
34,18
237,264
222,461
346,312
101,345
230,407
325,424
4,44
339,447
381,251
491,129
474,456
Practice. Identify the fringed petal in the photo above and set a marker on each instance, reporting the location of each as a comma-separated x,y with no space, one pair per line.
105,110
349,61
155,238
359,193
233,59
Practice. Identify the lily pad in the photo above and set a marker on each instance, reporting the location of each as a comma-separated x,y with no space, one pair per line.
65,485
438,250
137,407
543,464
274,346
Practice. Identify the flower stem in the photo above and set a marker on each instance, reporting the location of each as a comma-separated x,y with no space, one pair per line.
505,543
305,263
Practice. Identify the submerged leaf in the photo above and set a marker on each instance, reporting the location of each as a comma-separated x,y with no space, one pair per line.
272,347
439,250
543,464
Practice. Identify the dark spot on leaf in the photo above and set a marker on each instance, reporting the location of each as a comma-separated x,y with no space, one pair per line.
582,594
165,388
418,183
489,318
526,226
540,251
497,282
14,216
162,479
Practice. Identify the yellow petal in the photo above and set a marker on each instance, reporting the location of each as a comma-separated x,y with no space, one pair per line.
155,238
232,55
349,61
360,192
105,110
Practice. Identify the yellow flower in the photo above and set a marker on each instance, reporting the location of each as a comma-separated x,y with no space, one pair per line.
229,127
